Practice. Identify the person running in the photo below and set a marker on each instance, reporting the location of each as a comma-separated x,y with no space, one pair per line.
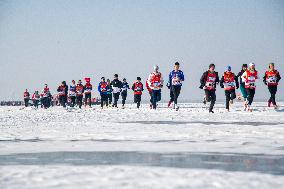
249,77
137,87
176,77
103,89
79,93
116,86
155,82
124,89
72,93
62,93
109,93
242,83
46,97
88,92
26,98
229,82
208,82
36,98
271,78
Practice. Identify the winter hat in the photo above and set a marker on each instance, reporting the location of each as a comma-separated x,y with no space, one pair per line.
156,68
244,66
124,79
251,64
228,68
103,78
115,75
177,63
139,78
88,80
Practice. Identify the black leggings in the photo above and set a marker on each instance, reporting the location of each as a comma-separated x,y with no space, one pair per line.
174,93
63,100
137,99
123,96
251,93
73,101
115,99
88,99
104,98
26,102
79,100
273,90
230,95
210,96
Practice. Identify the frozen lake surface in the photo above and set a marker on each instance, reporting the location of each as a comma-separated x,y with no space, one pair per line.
130,148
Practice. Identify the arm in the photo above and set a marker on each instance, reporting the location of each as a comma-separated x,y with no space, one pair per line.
182,76
278,77
237,82
133,86
99,88
264,79
202,80
222,82
244,76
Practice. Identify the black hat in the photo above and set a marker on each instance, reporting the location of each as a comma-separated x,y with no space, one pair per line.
103,78
177,63
211,65
63,82
124,79
115,75
245,65
139,78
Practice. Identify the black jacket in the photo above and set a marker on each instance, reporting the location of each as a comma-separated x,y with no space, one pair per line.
203,79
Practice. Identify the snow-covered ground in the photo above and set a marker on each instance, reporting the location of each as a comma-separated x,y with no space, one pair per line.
130,148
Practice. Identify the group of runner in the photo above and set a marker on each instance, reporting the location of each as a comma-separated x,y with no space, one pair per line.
110,91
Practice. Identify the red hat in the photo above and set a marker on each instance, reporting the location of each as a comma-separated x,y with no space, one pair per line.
88,80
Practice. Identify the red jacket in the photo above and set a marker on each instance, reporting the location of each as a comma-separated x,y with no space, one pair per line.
137,87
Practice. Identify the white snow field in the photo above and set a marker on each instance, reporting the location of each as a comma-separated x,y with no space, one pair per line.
147,149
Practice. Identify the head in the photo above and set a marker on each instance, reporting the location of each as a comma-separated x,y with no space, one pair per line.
124,79
156,68
63,82
45,85
36,92
139,79
228,69
176,66
73,82
26,90
108,81
271,66
244,67
80,82
103,79
115,76
252,66
211,67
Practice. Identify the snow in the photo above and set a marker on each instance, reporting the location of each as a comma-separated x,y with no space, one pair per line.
130,148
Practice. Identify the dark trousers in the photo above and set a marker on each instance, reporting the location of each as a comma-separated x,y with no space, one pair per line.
36,103
73,101
88,99
115,99
137,99
273,90
156,97
230,95
123,96
174,93
26,102
63,100
151,99
104,98
251,93
79,100
109,98
210,96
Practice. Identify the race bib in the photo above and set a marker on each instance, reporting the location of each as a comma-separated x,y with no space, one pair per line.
271,79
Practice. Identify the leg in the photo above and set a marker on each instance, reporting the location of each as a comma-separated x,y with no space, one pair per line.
154,99
138,101
227,94
176,93
213,99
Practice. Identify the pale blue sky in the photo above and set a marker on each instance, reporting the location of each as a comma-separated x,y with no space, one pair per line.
50,41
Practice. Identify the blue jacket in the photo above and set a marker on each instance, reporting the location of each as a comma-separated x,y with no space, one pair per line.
173,74
103,88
